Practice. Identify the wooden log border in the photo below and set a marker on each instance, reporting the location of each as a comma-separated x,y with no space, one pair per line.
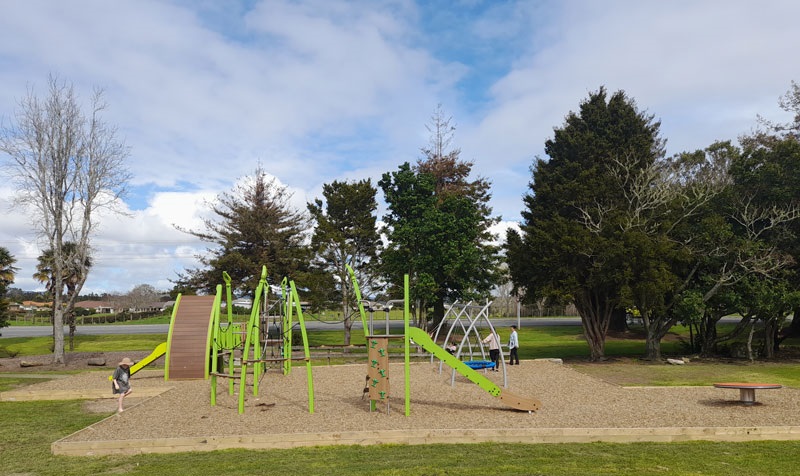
423,437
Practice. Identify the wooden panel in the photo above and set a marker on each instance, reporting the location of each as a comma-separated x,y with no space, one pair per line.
188,350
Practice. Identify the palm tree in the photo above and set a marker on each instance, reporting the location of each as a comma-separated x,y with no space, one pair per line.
7,271
73,275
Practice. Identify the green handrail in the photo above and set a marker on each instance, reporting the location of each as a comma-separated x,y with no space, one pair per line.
358,299
169,335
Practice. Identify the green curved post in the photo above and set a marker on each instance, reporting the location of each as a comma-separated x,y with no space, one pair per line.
406,343
255,315
216,336
169,335
250,336
228,301
301,320
209,333
358,299
286,305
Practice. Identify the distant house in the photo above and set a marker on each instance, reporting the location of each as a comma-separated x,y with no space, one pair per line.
149,307
99,307
35,306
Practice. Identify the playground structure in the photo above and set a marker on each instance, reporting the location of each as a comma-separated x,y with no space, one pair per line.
377,373
470,345
251,344
200,345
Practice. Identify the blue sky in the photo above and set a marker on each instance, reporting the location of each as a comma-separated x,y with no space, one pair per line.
321,90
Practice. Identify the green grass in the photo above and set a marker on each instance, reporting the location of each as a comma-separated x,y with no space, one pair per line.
694,373
162,319
29,428
23,346
11,383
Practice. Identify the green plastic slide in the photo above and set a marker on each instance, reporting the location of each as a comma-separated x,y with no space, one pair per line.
160,350
423,340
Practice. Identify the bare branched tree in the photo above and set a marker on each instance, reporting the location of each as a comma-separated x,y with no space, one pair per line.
66,165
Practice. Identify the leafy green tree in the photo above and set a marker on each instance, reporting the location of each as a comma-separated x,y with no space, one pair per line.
74,272
570,243
768,172
346,234
7,271
253,225
739,241
438,227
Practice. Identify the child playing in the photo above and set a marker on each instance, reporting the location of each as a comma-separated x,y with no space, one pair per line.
122,381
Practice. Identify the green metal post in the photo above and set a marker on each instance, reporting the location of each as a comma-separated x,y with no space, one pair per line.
358,298
169,335
209,332
406,343
251,324
287,327
301,320
215,348
228,298
255,315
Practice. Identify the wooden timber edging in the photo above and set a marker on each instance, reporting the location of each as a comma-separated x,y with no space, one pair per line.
420,437
87,394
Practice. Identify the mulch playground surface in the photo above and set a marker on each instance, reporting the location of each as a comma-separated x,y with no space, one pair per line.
177,415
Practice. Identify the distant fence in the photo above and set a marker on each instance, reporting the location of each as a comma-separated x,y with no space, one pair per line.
45,318
509,309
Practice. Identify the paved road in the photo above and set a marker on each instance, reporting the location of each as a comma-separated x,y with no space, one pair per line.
38,331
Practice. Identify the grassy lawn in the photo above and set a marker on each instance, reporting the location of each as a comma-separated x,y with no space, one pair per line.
641,373
30,427
22,346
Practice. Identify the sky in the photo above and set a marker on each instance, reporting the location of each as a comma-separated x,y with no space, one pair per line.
205,91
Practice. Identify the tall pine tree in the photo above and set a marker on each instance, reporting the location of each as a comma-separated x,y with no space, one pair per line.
254,225
438,226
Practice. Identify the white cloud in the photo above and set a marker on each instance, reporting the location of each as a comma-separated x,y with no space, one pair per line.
322,90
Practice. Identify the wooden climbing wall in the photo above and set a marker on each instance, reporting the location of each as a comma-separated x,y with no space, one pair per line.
378,370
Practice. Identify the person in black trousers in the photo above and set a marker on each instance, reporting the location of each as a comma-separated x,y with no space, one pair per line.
513,347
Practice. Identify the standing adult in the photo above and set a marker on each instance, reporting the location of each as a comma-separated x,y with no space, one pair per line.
513,347
494,350
122,381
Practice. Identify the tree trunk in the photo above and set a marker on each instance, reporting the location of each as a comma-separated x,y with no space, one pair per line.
770,330
652,348
707,336
438,312
595,315
348,321
619,321
595,337
58,330
72,328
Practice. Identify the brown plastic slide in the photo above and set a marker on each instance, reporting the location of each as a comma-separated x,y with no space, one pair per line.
188,349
